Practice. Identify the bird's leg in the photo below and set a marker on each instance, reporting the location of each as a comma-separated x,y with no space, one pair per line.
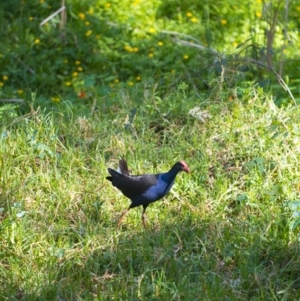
121,217
144,215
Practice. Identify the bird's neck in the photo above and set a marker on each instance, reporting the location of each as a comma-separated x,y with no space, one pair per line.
170,175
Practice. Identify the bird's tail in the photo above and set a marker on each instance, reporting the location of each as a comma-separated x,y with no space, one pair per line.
123,167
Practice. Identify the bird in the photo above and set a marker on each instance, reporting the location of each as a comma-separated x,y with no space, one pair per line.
143,189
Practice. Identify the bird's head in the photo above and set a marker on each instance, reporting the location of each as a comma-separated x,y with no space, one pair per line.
182,166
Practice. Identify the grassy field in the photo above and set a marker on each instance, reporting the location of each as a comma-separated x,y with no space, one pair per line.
224,232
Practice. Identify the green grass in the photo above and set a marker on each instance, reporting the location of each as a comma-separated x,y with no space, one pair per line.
222,233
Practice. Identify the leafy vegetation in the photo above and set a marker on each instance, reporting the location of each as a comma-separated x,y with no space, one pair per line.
91,47
226,231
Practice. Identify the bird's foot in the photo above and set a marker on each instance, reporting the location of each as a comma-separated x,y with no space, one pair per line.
121,218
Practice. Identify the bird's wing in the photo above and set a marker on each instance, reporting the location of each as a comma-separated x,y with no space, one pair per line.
132,186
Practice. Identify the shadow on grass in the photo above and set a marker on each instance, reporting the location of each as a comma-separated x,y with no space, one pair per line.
185,261
212,259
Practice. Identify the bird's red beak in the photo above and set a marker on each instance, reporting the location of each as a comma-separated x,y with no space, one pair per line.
186,169
184,166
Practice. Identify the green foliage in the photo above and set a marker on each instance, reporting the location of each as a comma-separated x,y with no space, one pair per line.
295,208
103,45
223,232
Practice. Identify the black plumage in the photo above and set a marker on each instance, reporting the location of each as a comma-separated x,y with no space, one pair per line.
143,189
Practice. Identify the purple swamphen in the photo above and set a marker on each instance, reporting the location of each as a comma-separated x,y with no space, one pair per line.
143,189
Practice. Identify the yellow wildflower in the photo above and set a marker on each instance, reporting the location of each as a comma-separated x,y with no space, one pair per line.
37,41
160,43
189,14
67,83
30,18
75,74
80,69
258,14
135,49
128,48
5,77
91,10
150,54
152,30
77,62
1,84
20,91
223,21
138,78
87,23
107,5
88,33
81,16
185,56
194,20
116,80
66,61
55,99
130,83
